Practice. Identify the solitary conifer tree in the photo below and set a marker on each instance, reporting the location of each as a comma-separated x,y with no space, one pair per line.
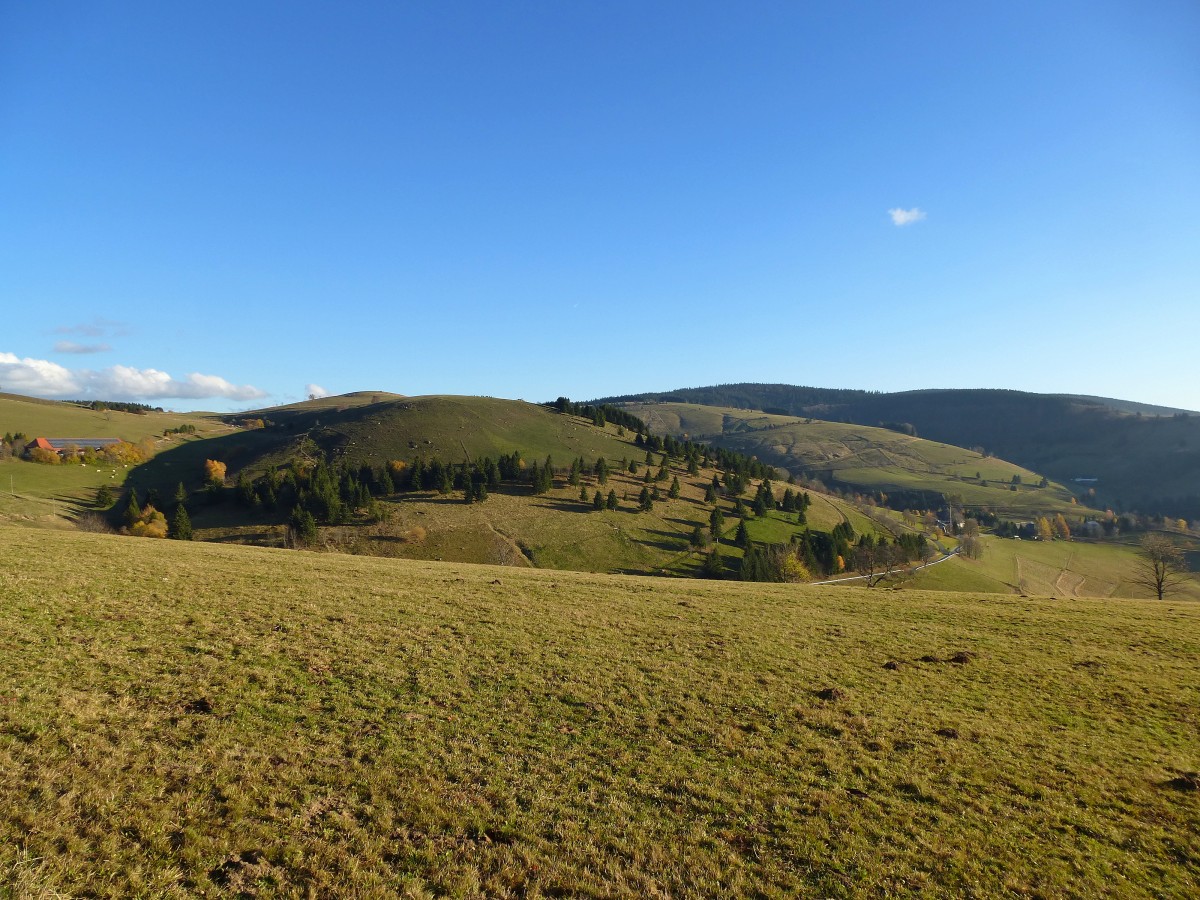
181,524
716,521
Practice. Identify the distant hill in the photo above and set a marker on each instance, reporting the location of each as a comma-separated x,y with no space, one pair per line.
333,401
1134,456
914,472
375,427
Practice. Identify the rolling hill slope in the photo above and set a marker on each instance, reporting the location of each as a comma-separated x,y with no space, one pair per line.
867,459
555,529
454,429
1138,456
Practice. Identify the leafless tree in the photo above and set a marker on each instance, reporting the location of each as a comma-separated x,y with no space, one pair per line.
1162,567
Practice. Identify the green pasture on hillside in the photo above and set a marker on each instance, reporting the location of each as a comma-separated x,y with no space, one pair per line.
179,720
1048,568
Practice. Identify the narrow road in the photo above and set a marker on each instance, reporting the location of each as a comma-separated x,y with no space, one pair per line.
862,577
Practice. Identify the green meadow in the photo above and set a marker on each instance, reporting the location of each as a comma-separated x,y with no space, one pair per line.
182,720
1048,568
43,495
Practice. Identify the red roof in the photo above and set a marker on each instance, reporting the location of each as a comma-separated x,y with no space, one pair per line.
40,443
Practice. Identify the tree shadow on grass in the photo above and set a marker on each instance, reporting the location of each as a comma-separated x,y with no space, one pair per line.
576,506
671,541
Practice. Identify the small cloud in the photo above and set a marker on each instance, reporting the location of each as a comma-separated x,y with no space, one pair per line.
315,392
72,347
42,378
902,217
96,328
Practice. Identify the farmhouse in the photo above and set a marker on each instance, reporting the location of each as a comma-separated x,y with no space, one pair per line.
72,446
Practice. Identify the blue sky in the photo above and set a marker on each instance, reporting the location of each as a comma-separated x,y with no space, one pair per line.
220,205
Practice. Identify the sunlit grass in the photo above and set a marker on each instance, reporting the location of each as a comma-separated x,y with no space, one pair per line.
187,719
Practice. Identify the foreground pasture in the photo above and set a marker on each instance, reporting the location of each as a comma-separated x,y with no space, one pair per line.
182,720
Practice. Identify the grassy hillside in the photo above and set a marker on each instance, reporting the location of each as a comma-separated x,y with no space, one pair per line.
55,419
868,459
179,720
554,530
451,428
47,494
336,402
1143,456
1047,568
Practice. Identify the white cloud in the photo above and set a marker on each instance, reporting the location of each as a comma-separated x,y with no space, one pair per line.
39,377
315,391
902,217
42,378
72,347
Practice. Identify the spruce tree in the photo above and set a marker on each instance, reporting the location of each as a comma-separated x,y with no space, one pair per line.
611,502
597,501
181,524
303,527
742,539
751,567
583,494
644,502
674,492
385,484
716,522
714,566
133,510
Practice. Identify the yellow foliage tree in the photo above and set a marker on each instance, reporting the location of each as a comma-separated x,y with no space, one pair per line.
1045,532
397,466
45,457
1061,528
793,570
125,453
151,524
214,471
